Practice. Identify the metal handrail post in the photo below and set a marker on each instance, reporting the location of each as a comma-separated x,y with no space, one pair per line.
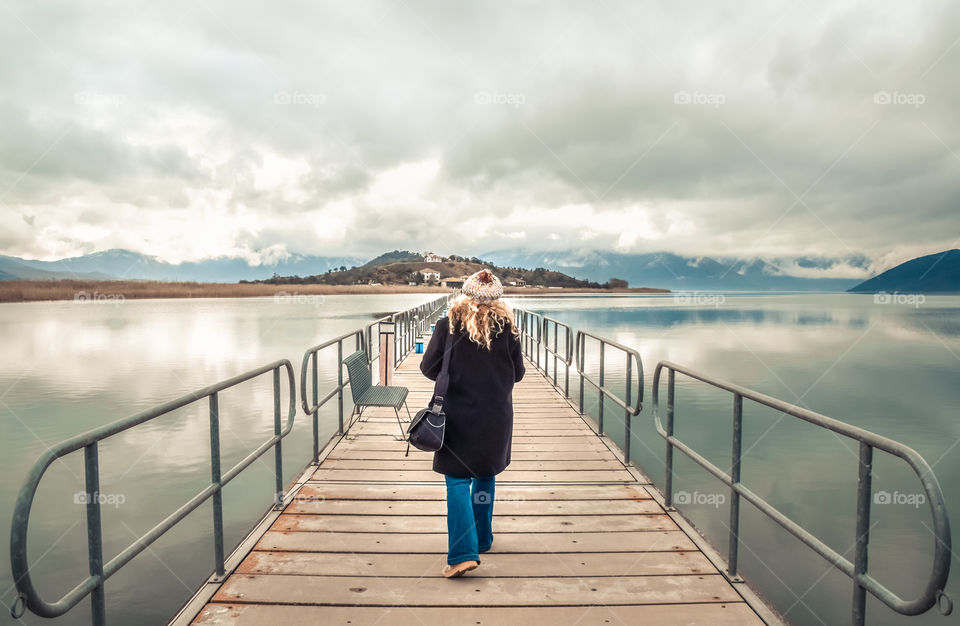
340,386
91,466
736,447
315,415
627,417
555,347
278,448
600,390
668,457
864,489
215,479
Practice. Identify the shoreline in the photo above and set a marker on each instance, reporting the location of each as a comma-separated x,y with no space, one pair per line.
120,290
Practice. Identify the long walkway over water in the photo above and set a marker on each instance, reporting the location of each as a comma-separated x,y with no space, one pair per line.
578,537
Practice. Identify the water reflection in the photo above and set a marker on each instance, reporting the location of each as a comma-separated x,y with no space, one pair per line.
891,369
69,367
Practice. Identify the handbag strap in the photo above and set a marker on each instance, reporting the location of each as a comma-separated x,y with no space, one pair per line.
443,378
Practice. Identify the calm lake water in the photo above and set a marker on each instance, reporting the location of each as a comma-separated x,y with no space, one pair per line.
68,367
891,368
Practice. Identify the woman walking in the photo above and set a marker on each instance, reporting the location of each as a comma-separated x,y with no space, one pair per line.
485,361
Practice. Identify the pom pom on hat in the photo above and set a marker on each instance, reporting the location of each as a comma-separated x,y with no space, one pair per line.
482,286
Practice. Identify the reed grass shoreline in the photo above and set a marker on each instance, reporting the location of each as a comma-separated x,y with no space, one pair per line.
121,290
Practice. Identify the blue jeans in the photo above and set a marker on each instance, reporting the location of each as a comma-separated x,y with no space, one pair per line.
469,517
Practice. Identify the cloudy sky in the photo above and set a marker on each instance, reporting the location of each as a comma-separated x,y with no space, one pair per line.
195,129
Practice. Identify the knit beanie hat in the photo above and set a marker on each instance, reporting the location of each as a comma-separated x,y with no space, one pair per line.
482,286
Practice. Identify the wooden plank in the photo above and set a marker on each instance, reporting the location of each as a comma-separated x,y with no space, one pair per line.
523,493
425,591
515,455
494,564
427,464
712,614
545,444
637,541
502,523
508,475
307,506
386,428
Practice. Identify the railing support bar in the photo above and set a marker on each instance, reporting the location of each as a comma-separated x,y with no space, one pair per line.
215,479
626,412
737,446
278,447
91,466
864,489
339,387
315,415
668,458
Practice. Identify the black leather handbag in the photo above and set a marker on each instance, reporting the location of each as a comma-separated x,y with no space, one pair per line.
427,426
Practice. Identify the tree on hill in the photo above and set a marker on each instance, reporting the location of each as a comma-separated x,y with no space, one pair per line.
615,283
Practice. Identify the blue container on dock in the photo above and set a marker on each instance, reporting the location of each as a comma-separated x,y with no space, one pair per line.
419,345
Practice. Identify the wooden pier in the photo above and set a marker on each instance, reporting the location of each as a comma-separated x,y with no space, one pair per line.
578,537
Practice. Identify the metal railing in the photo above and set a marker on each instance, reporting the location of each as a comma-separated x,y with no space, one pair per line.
632,402
410,324
363,340
540,334
530,326
93,585
932,594
553,348
407,326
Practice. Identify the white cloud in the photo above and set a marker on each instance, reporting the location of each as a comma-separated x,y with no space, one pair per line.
160,131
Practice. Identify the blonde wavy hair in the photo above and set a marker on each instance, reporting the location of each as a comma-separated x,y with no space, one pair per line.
481,320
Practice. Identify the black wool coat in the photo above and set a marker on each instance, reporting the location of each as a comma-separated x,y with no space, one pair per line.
479,402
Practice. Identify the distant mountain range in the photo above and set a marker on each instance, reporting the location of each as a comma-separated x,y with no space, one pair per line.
124,264
933,273
681,273
927,274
